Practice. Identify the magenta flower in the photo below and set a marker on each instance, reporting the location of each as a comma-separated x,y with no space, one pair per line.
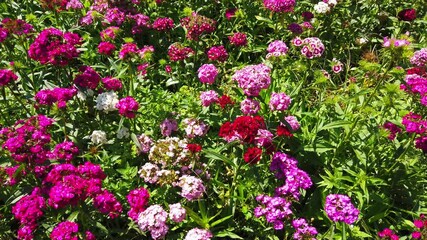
127,107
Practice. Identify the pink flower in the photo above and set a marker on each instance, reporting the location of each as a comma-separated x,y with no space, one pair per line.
127,107
208,98
207,73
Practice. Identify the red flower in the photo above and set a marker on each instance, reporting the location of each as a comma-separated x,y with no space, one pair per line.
194,147
416,70
252,155
407,14
224,100
284,131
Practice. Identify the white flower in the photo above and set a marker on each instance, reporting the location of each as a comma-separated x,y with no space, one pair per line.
123,132
332,2
321,7
361,41
98,137
107,101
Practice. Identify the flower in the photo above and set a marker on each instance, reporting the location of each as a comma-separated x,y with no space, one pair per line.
303,230
177,213
312,47
253,78
88,78
252,155
337,66
207,73
249,106
198,234
178,52
217,53
106,48
280,5
127,107
194,127
322,7
339,208
65,231
163,24
276,210
408,14
107,203
279,102
208,98
98,137
107,101
192,187
276,49
419,58
112,84
138,200
198,25
7,76
168,126
153,219
238,39
230,13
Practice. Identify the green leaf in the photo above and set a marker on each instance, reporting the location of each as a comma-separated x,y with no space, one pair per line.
220,220
231,235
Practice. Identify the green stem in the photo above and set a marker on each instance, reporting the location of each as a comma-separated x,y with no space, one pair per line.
344,235
19,100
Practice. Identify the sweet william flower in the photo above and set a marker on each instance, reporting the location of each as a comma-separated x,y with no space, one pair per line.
339,208
408,15
127,107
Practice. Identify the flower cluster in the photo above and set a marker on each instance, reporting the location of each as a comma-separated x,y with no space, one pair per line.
137,199
408,14
65,230
393,129
60,96
280,5
196,25
419,58
311,47
107,203
28,140
339,208
387,233
28,210
65,151
168,126
217,53
414,123
163,24
421,225
153,219
277,48
209,97
286,167
198,234
106,48
145,143
279,102
275,210
395,43
194,127
178,52
70,184
55,47
238,39
127,107
192,188
337,66
253,78
107,101
249,106
177,213
88,78
244,129
303,230
252,155
112,84
325,6
207,73
16,26
7,76
169,151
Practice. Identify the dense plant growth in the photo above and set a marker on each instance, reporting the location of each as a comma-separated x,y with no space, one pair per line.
204,119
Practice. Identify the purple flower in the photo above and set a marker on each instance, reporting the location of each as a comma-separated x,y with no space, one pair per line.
340,209
207,73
